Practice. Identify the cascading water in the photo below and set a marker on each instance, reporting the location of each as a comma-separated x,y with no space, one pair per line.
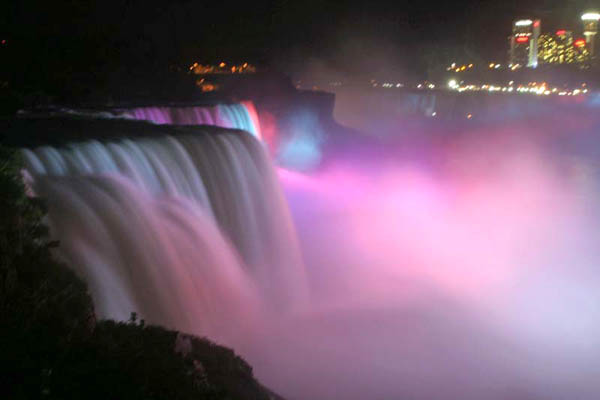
239,116
440,266
137,217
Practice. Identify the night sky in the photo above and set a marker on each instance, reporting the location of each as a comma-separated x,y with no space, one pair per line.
345,35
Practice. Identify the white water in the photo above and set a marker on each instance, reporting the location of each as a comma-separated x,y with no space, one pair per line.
459,267
238,116
155,226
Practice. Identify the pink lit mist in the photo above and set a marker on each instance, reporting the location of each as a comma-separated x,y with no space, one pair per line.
441,266
438,260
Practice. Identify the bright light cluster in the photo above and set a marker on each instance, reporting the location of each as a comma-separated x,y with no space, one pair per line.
550,52
591,16
389,85
222,68
562,49
524,22
461,68
531,88
426,85
465,67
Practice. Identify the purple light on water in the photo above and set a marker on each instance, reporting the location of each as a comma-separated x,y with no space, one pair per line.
467,270
438,266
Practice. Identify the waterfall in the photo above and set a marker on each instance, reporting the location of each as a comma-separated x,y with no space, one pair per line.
190,230
239,116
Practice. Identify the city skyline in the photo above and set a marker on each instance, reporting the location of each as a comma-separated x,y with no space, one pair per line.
147,39
531,45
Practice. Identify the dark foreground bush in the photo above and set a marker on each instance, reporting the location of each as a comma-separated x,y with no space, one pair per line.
51,346
134,361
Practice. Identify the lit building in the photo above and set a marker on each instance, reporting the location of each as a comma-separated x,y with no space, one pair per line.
590,29
561,48
557,49
524,42
582,54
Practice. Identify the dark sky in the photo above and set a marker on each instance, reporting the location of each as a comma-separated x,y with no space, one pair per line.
340,32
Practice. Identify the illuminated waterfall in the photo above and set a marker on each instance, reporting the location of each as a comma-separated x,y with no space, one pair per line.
155,225
239,116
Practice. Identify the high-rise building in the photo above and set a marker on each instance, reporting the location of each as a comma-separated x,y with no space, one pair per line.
582,54
524,42
558,48
590,29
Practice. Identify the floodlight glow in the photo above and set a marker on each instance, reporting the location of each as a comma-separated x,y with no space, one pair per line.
453,84
591,16
524,22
